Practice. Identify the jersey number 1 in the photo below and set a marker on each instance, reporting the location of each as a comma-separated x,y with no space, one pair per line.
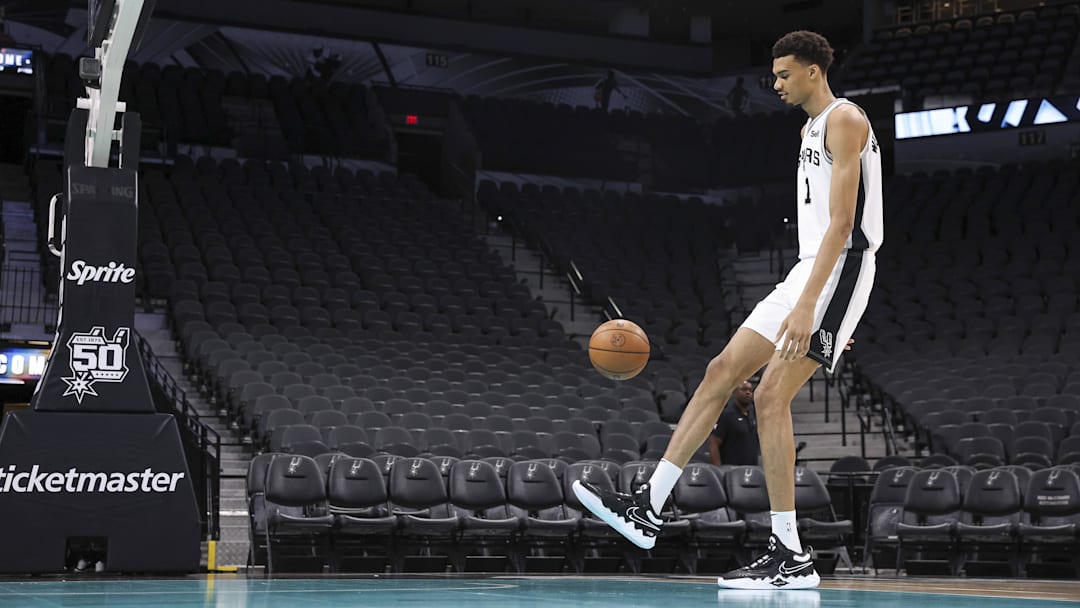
807,201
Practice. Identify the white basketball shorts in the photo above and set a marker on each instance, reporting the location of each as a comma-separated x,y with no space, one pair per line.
838,310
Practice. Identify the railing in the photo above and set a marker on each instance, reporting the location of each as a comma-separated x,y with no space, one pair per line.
40,98
849,389
573,274
466,186
208,443
24,299
877,406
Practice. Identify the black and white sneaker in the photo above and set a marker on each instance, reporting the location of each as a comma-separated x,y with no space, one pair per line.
629,514
777,568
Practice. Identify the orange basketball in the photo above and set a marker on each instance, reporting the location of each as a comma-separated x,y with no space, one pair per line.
619,349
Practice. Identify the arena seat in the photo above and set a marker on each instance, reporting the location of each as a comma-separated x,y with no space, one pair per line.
817,520
426,522
748,497
535,495
1049,538
987,531
363,524
931,511
298,524
885,512
488,528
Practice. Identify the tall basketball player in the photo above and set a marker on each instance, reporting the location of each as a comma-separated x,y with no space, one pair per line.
803,324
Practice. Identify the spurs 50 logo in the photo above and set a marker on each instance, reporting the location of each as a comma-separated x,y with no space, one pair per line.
95,358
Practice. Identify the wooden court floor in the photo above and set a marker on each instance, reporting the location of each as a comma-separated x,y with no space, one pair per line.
238,591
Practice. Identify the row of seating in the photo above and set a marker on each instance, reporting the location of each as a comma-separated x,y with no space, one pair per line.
999,521
1018,54
417,434
193,105
946,430
972,304
397,377
374,513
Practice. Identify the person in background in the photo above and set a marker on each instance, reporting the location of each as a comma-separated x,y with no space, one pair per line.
737,97
603,89
734,439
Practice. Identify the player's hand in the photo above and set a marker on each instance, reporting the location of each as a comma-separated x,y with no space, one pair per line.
794,334
849,343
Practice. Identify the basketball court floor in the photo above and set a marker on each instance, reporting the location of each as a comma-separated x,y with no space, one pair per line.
237,591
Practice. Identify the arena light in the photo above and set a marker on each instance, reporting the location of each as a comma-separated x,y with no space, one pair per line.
1018,113
1014,113
412,119
1048,114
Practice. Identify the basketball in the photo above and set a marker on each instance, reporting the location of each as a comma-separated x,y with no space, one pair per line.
619,349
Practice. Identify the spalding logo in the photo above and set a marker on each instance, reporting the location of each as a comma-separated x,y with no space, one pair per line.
617,340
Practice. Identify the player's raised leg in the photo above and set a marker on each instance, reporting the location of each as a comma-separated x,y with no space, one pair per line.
786,564
637,516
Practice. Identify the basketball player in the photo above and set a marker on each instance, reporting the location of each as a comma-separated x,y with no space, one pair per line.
804,323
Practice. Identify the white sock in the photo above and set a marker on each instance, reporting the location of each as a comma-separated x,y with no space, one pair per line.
784,527
662,481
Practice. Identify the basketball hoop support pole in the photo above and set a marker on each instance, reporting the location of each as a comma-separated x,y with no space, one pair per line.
102,75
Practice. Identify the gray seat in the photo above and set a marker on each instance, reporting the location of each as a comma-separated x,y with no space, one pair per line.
395,440
426,522
714,528
536,496
298,520
358,501
479,498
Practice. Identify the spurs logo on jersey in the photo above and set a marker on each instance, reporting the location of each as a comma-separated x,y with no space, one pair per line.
95,358
814,182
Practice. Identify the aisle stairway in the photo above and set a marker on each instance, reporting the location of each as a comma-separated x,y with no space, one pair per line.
232,548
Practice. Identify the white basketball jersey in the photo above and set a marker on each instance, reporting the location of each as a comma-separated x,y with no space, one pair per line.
815,180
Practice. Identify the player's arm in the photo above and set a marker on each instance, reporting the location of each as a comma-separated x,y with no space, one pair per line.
846,134
714,449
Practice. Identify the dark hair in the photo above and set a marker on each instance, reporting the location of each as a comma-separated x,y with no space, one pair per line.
807,47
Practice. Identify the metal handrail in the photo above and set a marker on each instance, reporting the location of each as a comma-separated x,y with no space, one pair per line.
863,411
209,440
572,272
888,430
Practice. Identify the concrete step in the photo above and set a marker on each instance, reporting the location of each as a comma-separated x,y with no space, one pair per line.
826,428
837,451
232,485
232,553
234,529
531,270
234,503
236,451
